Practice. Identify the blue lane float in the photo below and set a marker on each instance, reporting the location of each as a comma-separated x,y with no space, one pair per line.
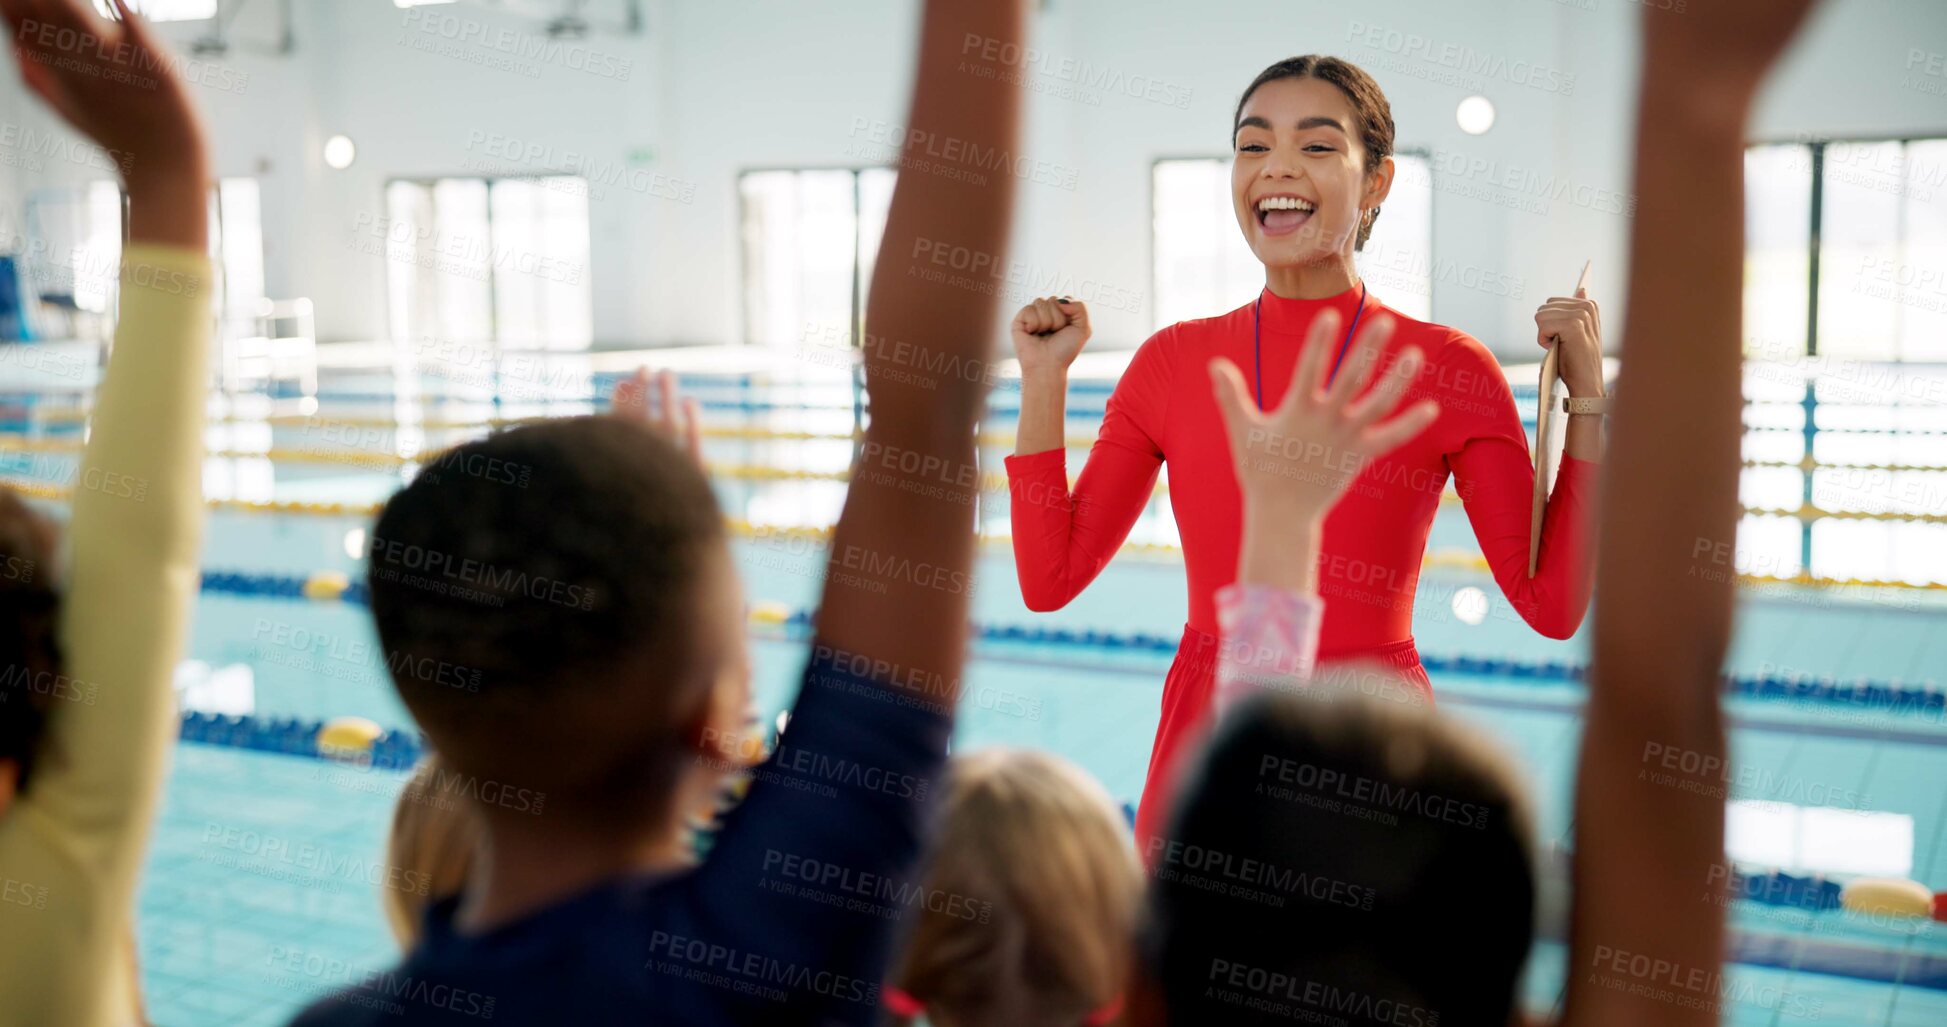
391,750
1789,891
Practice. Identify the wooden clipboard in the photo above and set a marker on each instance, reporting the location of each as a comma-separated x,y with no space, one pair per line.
1544,420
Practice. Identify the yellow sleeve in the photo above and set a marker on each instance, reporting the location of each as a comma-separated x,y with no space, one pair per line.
131,575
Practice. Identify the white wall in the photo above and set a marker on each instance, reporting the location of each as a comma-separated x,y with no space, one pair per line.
718,86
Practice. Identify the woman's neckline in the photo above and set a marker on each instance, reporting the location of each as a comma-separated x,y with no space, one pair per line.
1314,277
1285,315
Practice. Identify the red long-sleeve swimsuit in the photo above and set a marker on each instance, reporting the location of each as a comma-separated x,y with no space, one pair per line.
1373,541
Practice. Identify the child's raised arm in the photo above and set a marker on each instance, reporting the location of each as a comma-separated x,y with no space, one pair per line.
900,575
137,508
135,526
1647,937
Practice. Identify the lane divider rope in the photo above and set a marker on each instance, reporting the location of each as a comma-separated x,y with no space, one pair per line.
1450,560
761,472
1898,695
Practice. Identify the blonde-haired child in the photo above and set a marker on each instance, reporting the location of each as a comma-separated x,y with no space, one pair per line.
432,844
1030,900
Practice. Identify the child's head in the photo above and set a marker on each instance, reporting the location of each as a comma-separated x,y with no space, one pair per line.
30,655
432,845
1032,896
558,607
1331,852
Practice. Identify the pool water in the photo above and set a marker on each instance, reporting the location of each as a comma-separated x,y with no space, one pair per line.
260,892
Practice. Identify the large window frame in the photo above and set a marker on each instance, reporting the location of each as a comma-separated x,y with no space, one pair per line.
235,244
867,235
573,272
1817,150
1841,423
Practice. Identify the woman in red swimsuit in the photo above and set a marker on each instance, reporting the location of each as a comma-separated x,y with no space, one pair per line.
1313,139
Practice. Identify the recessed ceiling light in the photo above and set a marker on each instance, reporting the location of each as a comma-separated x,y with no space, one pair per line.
340,151
1475,115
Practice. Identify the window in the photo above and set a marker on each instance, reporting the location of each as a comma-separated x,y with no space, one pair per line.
83,231
68,253
82,228
1398,257
489,261
1777,241
237,244
1845,243
1200,262
1202,265
810,240
1845,303
165,10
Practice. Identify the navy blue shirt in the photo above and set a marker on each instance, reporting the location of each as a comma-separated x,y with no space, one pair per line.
791,919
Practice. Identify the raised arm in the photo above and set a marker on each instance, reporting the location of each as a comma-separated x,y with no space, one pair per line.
884,677
1574,323
900,576
1647,936
1063,538
137,508
1048,335
1495,475
1292,466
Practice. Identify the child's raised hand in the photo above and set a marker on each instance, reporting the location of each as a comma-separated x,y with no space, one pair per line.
117,84
657,404
114,81
1298,459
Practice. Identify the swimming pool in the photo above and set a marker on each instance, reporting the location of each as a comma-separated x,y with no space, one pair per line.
260,890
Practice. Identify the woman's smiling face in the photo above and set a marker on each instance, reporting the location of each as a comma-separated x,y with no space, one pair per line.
1298,180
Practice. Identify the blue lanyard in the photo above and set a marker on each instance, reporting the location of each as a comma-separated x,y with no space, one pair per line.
1257,342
